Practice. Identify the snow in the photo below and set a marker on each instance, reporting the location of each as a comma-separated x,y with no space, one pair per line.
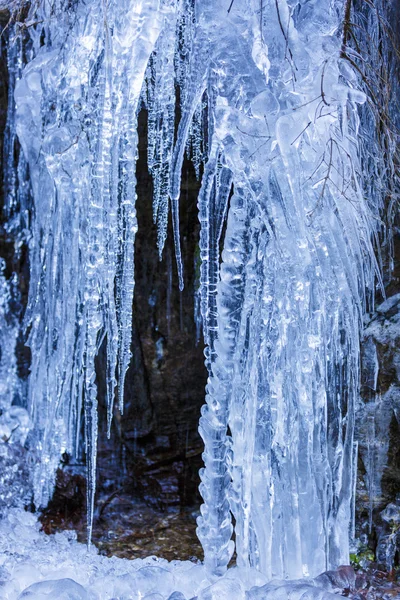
31,559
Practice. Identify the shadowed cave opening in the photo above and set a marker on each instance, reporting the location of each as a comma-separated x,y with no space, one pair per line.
147,495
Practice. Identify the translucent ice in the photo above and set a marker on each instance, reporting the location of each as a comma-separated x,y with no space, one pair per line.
224,589
282,311
76,118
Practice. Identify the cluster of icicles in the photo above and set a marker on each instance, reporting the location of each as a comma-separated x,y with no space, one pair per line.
269,117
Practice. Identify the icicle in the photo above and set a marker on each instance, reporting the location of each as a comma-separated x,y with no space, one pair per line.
354,493
371,466
9,383
195,141
15,184
127,232
161,125
214,524
212,204
195,86
169,293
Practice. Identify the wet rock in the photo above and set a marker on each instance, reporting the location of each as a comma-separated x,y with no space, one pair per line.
15,476
344,578
67,507
378,434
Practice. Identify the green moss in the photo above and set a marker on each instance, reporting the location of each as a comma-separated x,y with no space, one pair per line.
364,554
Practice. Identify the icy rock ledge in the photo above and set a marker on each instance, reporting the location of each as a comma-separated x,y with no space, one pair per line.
35,566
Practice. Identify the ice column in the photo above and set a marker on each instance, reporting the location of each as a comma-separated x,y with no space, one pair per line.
283,342
76,118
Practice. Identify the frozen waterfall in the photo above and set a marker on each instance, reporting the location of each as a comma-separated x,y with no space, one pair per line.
275,117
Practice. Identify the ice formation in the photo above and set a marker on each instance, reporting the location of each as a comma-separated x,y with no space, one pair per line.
270,113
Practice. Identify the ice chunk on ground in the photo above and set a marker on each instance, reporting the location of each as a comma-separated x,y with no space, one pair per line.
391,513
224,589
62,589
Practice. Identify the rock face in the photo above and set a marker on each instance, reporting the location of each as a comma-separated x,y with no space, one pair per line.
378,429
